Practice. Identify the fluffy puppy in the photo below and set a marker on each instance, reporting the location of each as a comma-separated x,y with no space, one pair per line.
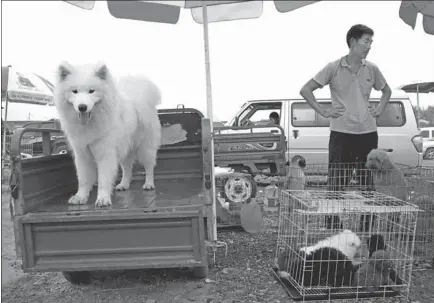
388,178
346,241
107,122
329,261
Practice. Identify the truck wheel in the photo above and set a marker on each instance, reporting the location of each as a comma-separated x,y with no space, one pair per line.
429,154
77,277
239,189
200,272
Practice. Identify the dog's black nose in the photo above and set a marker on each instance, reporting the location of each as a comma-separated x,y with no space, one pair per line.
82,108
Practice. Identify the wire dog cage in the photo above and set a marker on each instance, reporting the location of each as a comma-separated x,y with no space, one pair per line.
344,244
322,204
413,185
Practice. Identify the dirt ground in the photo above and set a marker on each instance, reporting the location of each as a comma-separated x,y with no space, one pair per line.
244,276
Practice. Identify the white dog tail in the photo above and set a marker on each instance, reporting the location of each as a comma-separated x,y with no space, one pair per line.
139,88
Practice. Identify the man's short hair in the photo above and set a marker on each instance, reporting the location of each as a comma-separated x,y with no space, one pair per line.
274,115
357,31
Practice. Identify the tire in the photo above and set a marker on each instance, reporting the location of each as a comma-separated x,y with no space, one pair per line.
77,277
429,153
200,272
249,184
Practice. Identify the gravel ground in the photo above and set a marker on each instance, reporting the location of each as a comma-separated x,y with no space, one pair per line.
243,276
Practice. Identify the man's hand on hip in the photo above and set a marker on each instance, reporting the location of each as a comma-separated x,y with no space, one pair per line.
334,112
376,111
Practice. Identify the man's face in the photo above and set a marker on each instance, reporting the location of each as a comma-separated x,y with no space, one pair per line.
362,46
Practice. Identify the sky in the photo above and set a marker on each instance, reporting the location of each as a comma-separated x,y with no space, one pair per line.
264,58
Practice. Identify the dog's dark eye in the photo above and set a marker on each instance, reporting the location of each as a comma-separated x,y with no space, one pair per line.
75,91
91,91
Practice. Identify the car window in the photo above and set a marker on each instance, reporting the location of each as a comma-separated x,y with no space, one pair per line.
303,115
424,134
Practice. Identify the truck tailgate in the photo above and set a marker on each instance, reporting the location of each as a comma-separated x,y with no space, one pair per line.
121,239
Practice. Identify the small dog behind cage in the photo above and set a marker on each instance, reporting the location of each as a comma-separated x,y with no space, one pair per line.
295,177
387,176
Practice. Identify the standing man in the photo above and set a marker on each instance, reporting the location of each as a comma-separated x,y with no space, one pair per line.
353,127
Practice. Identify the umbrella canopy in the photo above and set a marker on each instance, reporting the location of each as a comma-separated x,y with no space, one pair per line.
424,87
25,87
410,9
169,11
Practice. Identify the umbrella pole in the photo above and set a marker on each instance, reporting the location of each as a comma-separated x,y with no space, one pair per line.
418,106
4,131
212,233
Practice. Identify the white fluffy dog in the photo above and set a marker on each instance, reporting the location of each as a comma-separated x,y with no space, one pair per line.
388,178
107,122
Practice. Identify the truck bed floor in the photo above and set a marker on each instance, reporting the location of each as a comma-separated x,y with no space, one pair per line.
168,193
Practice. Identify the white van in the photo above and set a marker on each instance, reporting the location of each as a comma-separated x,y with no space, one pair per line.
307,132
427,134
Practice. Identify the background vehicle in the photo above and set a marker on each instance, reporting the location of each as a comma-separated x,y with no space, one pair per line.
427,134
307,132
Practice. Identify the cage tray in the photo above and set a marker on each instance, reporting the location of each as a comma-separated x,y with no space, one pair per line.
296,296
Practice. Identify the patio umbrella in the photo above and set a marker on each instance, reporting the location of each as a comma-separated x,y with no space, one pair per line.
203,12
19,86
418,87
410,9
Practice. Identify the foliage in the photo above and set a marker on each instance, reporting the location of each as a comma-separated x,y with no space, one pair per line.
426,116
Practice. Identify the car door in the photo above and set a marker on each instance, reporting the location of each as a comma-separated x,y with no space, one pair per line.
308,132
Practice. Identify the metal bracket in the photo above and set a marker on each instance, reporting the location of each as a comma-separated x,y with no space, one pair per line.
217,244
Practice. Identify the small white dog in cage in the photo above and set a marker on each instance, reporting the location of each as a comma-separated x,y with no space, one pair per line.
295,177
331,259
388,178
346,241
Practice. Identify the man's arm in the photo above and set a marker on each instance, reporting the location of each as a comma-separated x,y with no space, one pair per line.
322,78
307,93
380,83
385,97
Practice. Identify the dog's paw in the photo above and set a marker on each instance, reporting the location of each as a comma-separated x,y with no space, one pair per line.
148,186
103,201
77,200
121,186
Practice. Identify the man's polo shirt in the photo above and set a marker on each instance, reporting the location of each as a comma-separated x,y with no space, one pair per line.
352,92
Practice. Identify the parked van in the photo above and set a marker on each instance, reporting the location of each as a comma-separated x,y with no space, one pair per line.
307,133
427,134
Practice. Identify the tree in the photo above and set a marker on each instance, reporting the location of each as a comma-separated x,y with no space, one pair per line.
426,114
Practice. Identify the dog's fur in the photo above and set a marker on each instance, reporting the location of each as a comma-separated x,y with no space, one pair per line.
388,178
328,260
295,177
119,125
346,241
377,272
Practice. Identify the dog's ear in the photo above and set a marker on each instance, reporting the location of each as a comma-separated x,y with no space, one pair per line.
63,71
101,71
302,162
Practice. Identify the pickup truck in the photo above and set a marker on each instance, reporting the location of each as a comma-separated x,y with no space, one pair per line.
251,149
168,227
